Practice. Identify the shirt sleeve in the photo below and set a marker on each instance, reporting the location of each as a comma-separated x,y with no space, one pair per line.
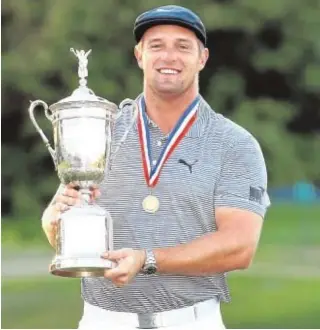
243,178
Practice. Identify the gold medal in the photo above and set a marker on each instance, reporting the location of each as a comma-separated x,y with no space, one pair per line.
151,204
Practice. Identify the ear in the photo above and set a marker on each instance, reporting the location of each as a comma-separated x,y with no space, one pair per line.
138,55
203,58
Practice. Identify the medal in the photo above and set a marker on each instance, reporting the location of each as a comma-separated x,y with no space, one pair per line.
152,173
151,204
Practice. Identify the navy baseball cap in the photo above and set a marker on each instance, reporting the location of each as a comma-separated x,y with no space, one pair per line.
175,15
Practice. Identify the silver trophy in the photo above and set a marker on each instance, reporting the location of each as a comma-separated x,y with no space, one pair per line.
84,147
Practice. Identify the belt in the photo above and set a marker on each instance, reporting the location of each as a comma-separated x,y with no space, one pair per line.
175,317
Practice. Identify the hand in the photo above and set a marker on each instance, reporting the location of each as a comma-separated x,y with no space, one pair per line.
62,202
129,263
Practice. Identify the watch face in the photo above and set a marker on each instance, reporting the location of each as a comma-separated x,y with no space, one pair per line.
151,269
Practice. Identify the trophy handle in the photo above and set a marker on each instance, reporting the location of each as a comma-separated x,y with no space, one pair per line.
133,106
33,105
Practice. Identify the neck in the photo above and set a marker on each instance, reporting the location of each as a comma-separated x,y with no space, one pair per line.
166,110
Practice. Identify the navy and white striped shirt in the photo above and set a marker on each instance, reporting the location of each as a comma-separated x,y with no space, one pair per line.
228,170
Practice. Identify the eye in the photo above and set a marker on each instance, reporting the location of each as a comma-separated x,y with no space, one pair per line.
184,46
155,46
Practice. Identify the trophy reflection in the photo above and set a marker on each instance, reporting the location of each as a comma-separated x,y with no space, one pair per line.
83,130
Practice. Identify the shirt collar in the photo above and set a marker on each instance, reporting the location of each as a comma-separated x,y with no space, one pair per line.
197,127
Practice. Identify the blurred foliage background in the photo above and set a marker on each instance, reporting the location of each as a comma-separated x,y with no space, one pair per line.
263,73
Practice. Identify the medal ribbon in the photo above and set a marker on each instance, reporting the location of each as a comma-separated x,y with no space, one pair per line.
152,173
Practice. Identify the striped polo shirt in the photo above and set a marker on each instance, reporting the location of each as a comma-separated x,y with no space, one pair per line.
217,163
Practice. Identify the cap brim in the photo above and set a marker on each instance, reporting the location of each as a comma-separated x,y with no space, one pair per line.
142,27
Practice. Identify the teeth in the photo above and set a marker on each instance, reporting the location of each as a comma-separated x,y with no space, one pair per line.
168,71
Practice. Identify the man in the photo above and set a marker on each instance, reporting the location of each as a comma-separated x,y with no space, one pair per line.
187,193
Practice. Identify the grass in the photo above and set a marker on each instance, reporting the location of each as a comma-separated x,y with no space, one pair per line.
273,303
40,303
258,303
275,299
292,224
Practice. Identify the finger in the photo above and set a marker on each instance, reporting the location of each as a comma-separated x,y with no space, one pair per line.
94,196
67,200
123,269
116,254
72,186
114,273
121,281
60,207
96,193
94,187
71,193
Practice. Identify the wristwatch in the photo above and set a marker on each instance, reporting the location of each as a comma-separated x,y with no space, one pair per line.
150,265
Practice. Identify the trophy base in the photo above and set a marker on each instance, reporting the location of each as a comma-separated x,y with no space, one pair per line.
80,267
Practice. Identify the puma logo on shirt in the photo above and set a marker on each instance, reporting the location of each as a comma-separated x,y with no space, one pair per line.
182,161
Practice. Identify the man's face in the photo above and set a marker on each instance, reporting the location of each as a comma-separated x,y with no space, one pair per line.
171,58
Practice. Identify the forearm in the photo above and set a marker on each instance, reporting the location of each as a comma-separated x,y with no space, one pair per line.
50,233
212,253
51,237
48,228
50,218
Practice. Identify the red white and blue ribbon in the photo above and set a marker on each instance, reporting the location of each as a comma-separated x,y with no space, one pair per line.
152,173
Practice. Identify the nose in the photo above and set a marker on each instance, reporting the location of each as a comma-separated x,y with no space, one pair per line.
169,54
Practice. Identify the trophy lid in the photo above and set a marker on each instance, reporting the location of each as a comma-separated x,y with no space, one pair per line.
82,94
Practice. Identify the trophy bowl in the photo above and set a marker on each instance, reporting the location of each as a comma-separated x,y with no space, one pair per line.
83,126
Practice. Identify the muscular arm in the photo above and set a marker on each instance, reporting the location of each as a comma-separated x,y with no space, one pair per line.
232,247
240,204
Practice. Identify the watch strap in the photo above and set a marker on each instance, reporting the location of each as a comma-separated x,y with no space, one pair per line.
150,265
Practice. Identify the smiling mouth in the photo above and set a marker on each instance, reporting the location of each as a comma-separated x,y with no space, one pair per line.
169,71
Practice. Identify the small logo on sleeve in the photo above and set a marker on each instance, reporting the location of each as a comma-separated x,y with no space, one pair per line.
256,194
